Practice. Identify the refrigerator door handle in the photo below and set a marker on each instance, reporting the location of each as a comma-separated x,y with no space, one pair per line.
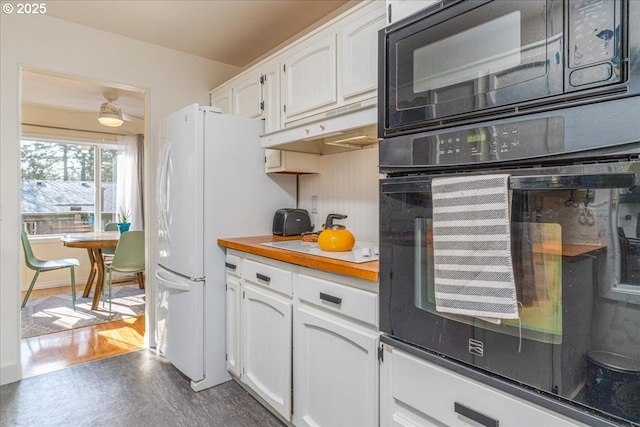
164,191
172,285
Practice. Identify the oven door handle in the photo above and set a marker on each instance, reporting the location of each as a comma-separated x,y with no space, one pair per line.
573,181
533,182
422,186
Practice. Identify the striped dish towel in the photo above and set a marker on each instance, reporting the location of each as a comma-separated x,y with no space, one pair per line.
472,247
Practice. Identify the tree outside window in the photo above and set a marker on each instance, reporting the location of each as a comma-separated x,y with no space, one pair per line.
67,186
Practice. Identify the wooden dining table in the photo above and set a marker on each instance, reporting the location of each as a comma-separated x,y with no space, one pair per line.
94,243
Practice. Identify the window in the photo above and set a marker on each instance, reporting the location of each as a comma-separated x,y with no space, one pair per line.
67,187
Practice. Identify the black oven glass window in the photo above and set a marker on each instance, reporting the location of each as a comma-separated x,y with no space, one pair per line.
557,236
537,263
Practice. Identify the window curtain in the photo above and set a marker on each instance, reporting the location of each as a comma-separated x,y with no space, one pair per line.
130,181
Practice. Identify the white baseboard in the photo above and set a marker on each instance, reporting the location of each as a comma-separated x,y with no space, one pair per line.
10,374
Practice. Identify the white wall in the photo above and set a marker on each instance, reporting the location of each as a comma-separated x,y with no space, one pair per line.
348,184
172,80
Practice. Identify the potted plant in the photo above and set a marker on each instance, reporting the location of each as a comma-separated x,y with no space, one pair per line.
123,220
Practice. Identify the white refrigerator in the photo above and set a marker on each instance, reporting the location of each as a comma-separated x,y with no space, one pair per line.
211,184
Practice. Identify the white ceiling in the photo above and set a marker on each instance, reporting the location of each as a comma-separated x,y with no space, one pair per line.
72,93
234,32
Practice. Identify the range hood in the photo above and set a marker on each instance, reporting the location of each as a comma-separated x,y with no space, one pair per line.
347,128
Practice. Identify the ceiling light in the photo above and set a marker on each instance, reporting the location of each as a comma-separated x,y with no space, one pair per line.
108,117
110,112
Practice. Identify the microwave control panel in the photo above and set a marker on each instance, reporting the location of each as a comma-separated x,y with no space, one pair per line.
592,32
593,45
510,141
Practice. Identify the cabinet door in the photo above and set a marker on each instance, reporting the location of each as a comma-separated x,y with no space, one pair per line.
266,346
415,392
400,9
247,96
309,77
291,162
221,98
271,97
233,325
335,372
359,45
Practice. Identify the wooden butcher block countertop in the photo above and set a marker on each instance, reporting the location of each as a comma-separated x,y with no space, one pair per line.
366,270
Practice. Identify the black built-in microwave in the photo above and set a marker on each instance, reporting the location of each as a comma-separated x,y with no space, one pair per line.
460,62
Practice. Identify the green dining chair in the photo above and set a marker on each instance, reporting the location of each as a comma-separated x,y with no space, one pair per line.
41,265
128,258
109,252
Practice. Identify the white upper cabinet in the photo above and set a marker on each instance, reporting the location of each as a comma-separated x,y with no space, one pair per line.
326,75
247,96
270,74
277,161
309,77
400,9
254,93
359,54
221,97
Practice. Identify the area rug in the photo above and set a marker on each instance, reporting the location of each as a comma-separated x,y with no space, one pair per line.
55,313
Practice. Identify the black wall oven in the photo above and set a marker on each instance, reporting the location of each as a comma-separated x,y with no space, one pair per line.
571,162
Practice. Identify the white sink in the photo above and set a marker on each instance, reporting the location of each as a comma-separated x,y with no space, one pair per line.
361,252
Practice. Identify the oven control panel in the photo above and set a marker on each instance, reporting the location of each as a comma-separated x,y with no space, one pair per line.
509,141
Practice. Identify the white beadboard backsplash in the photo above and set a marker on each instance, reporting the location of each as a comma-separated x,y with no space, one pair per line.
347,184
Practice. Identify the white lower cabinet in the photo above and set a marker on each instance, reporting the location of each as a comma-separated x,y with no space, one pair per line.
267,347
266,334
233,325
335,357
414,392
329,342
233,266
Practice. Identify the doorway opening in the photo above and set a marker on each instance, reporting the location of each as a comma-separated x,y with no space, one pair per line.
77,176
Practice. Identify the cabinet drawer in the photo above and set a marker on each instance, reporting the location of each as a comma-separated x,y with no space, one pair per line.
355,303
269,276
452,399
233,264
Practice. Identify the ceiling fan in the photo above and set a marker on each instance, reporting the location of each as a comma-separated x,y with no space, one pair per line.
111,114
